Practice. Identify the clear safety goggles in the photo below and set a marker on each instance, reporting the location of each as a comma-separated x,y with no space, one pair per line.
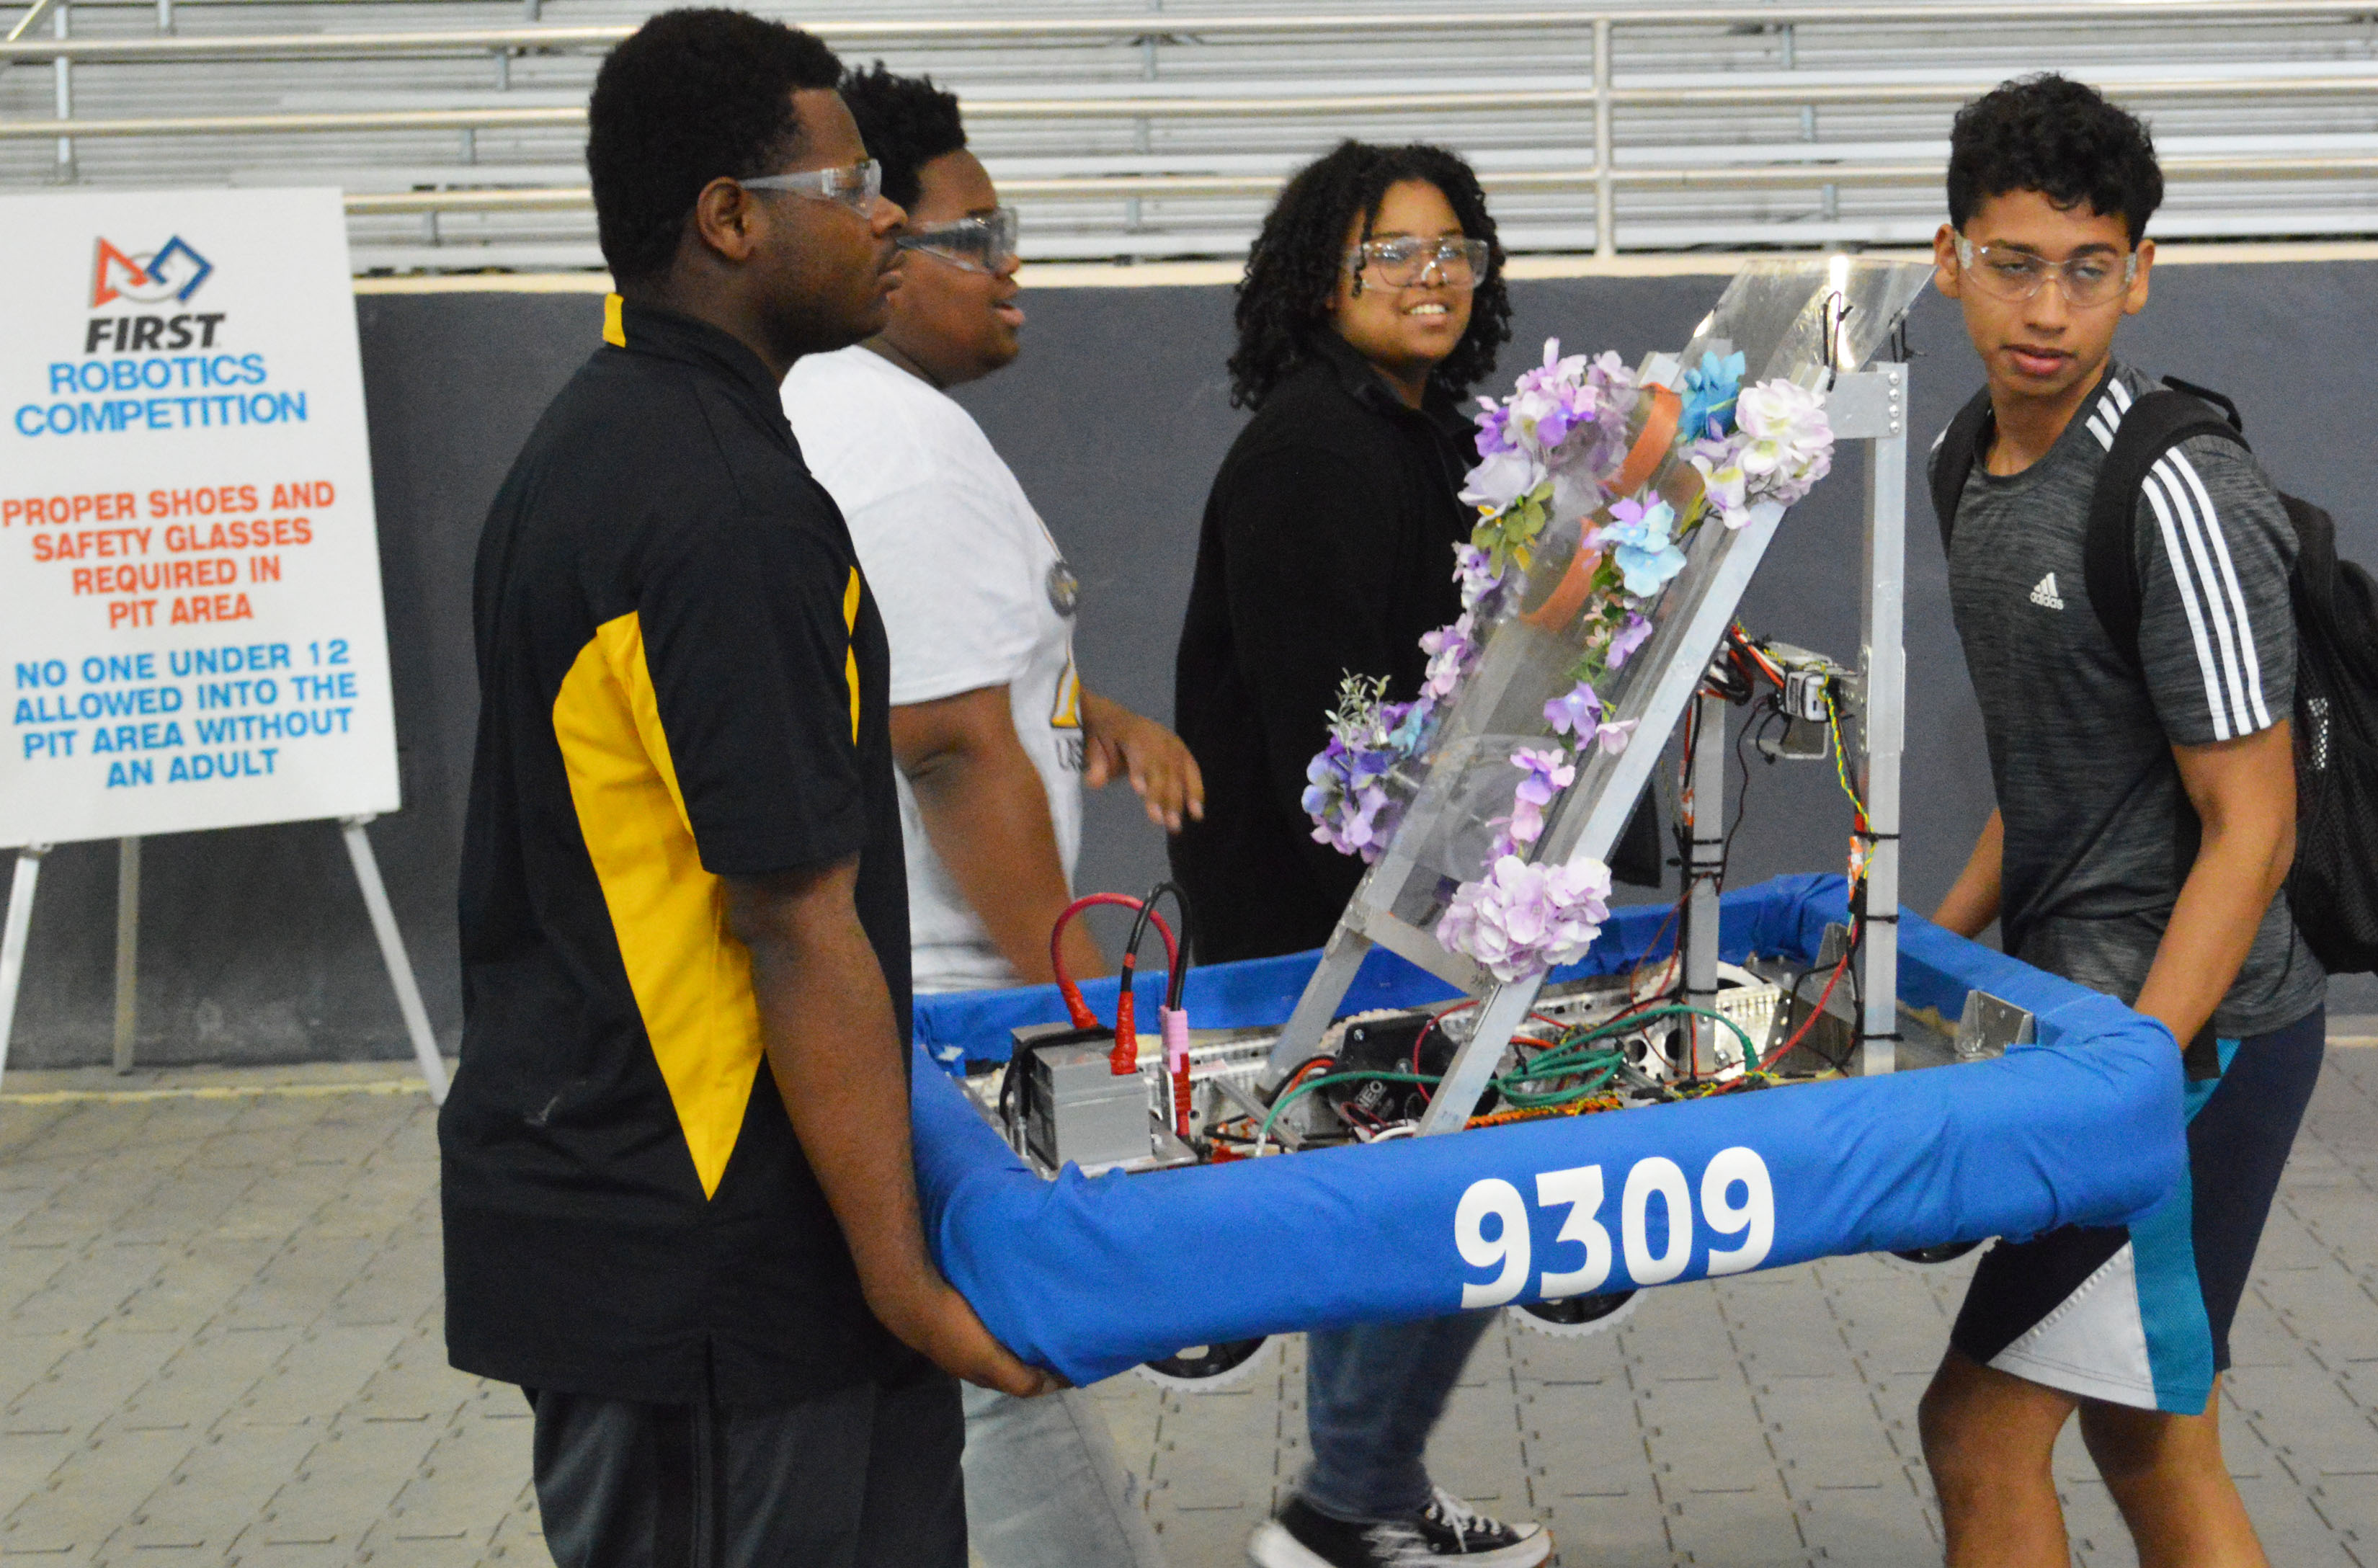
856,186
2088,280
982,244
1457,263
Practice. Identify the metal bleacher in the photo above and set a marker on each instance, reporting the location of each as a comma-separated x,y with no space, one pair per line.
1160,130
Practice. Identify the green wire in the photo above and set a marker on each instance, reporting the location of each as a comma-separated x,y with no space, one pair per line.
1557,1062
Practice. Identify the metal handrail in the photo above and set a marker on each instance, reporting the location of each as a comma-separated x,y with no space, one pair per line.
1170,106
1091,29
1797,167
552,198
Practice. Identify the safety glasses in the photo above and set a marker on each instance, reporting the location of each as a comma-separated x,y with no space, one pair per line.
857,186
982,244
2015,275
1458,263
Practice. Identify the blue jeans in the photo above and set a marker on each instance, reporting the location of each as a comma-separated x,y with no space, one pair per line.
1372,1396
1046,1489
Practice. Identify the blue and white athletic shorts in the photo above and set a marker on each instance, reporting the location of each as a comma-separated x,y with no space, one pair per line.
2140,1314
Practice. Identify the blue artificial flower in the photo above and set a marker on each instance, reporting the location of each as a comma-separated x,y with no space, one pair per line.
1640,539
1710,389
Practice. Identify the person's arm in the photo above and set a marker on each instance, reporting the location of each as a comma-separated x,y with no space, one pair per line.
2215,548
825,1021
986,814
2244,791
1973,900
1118,742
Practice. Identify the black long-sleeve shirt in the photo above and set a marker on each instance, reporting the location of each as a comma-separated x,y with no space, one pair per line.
1327,550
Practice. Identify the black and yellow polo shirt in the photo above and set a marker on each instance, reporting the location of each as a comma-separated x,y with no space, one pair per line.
682,678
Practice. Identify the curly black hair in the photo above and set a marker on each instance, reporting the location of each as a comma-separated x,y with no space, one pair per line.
691,95
2062,138
1293,268
906,122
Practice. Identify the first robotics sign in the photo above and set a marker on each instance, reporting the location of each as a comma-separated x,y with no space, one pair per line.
191,630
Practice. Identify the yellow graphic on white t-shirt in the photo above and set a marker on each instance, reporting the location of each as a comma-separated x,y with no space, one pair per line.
1068,713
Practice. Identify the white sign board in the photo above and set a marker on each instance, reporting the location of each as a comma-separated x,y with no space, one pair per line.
190,624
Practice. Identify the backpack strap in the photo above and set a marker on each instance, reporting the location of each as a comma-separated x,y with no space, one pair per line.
2155,422
1954,463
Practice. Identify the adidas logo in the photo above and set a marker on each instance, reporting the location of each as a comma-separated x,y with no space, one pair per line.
2044,594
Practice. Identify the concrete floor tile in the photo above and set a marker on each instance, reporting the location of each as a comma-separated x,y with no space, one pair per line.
221,1488
2308,1421
473,1475
1606,1532
319,1376
346,1482
28,1459
93,1492
1755,1526
1883,1526
1583,1441
90,1383
1827,1436
1477,1451
205,1380
2326,1309
87,1290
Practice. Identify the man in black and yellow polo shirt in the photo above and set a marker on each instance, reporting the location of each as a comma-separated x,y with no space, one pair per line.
678,1203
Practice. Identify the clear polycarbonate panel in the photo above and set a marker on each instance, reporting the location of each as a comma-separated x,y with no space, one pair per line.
1801,320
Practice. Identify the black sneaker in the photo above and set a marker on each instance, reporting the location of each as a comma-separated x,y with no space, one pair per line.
1303,1536
1454,1533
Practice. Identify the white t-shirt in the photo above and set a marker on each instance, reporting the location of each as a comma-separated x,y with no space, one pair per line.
973,593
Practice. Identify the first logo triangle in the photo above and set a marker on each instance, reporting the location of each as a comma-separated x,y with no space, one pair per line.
2044,594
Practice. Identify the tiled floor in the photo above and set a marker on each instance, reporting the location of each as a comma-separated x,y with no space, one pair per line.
220,1342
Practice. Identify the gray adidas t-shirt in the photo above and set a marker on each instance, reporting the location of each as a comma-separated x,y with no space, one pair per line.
2081,745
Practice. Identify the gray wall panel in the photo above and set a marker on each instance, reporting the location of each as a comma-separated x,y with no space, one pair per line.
255,942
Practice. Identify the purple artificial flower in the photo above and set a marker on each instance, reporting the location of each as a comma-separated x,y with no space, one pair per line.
1493,429
1577,712
1474,569
1542,775
1449,648
1629,637
1520,920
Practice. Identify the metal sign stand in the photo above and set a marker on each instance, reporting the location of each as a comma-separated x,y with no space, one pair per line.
20,921
1868,406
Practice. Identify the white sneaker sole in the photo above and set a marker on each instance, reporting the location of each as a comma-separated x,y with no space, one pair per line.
1519,1554
1272,1546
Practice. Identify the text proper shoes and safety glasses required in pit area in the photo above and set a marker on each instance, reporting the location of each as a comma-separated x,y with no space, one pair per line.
191,628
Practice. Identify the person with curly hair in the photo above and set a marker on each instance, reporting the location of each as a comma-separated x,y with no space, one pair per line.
993,731
2146,824
1373,299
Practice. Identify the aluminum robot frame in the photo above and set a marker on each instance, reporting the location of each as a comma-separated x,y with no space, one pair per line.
1867,406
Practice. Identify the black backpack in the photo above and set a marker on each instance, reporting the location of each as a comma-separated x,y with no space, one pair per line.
2332,889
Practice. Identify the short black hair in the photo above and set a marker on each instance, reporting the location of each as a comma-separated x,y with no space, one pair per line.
2062,138
906,122
1293,268
691,95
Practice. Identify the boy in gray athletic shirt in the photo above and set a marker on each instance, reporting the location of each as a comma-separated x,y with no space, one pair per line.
2098,767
